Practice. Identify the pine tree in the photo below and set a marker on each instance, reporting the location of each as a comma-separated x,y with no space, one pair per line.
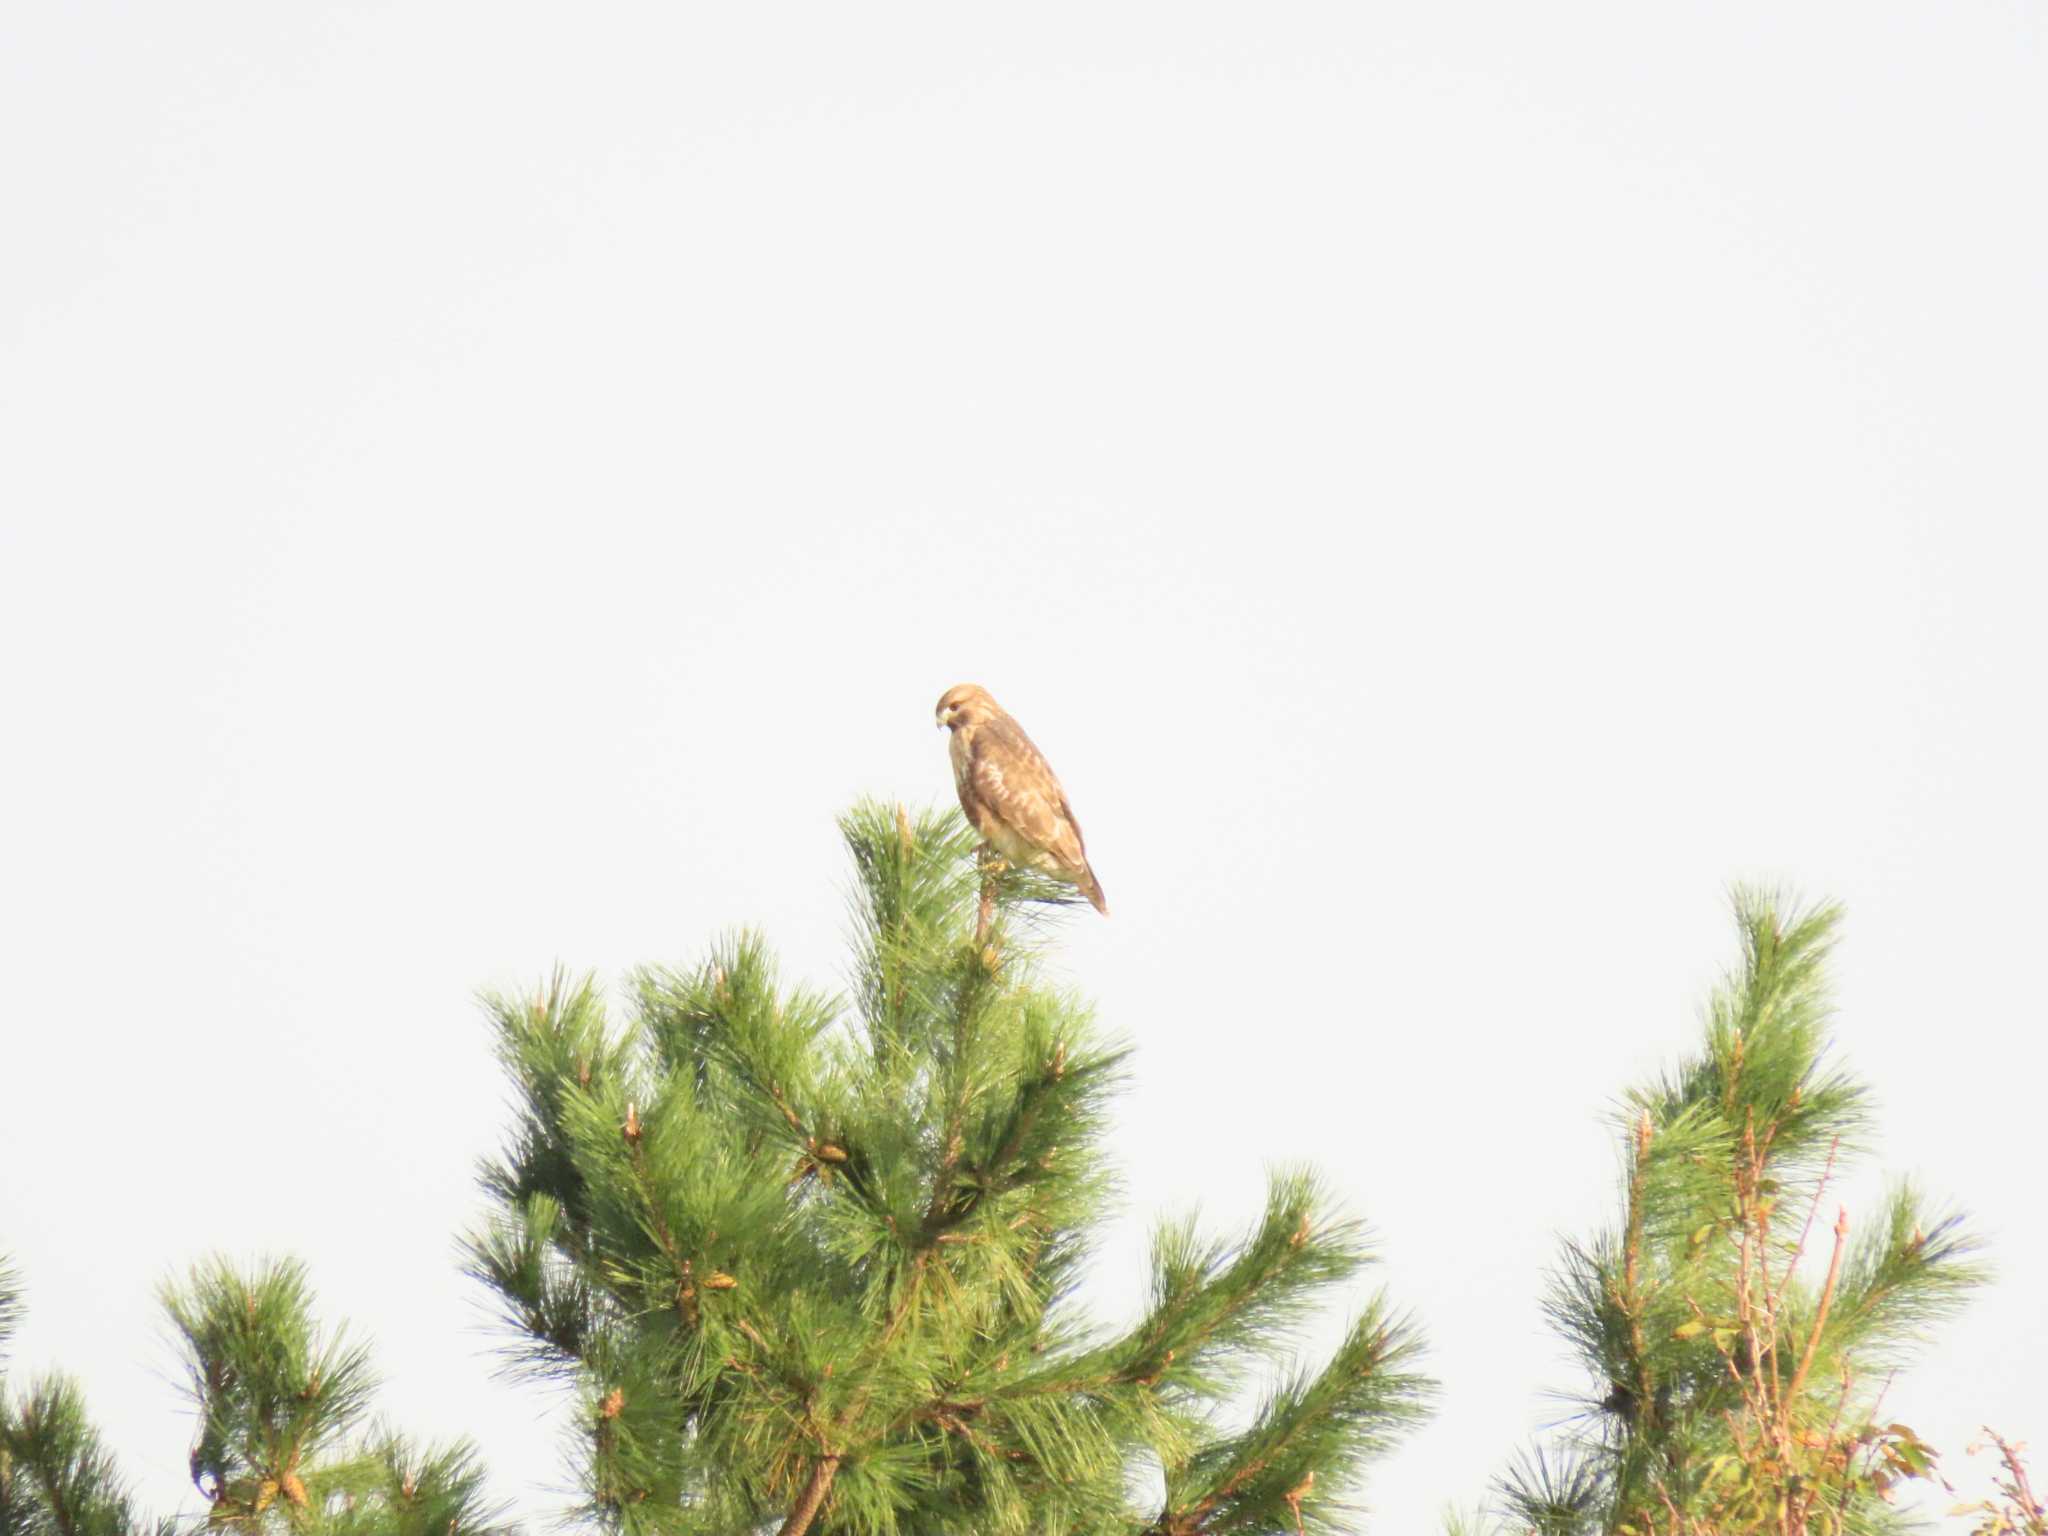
281,1448
812,1264
1740,1337
57,1476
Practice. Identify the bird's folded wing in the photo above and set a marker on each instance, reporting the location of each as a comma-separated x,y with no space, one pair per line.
1014,781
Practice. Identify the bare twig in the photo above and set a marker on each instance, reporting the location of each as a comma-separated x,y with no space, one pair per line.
1639,1347
1827,1297
2019,1492
1799,1249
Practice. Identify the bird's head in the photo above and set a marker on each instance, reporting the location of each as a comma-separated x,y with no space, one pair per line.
965,705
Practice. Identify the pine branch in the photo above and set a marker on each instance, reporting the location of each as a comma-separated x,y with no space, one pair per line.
395,1488
1914,1268
1563,1493
805,1510
271,1389
58,1471
1308,1442
551,1046
10,1307
550,1308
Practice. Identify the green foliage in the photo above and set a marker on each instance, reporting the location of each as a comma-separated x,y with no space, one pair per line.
395,1488
812,1263
808,1259
1736,1380
276,1451
272,1395
57,1476
281,1406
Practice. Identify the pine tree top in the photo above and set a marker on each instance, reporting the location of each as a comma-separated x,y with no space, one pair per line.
813,1261
1739,1331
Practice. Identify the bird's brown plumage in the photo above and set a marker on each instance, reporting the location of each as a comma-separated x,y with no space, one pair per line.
1011,794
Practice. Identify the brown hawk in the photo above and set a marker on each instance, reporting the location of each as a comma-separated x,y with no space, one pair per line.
1010,793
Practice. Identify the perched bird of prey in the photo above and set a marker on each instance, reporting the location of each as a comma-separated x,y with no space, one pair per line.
1010,793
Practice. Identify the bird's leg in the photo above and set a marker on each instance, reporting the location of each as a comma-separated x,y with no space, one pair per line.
992,867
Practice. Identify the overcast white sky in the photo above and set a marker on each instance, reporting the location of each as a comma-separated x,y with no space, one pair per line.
1451,485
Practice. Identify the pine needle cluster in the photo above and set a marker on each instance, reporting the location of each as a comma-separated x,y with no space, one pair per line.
1740,1335
810,1263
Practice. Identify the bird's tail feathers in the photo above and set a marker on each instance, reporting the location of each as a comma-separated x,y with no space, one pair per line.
1092,889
